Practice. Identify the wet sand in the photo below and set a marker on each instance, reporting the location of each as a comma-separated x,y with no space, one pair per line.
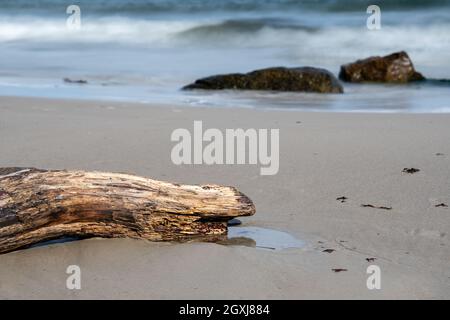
323,156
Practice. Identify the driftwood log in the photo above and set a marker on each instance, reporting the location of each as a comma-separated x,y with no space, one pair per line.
39,205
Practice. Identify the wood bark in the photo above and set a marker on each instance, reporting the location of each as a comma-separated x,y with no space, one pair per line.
40,205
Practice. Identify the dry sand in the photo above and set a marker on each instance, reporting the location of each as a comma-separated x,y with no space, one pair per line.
325,156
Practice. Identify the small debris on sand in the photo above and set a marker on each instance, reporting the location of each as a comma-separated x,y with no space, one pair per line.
339,270
79,81
410,170
376,207
342,199
329,250
441,205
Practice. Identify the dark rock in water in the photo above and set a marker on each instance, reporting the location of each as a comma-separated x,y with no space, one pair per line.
68,80
305,79
395,68
234,222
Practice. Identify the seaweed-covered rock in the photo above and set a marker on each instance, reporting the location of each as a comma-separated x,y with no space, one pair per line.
396,68
304,79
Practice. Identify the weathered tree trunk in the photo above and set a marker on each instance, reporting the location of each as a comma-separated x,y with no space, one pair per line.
38,205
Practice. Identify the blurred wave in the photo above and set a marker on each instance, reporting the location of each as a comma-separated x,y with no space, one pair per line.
301,41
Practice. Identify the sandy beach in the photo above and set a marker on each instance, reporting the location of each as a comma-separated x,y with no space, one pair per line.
323,156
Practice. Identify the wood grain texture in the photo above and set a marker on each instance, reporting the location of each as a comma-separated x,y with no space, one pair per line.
40,205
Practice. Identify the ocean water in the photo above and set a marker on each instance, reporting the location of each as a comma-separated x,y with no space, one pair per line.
145,51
